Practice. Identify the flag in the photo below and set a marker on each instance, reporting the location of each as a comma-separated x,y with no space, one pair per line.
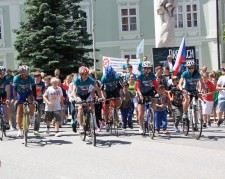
140,49
181,57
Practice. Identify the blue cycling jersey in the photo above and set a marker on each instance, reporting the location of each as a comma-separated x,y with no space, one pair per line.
146,82
83,86
3,82
190,81
110,84
23,85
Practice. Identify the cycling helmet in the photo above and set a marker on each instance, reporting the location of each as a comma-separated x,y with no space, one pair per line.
2,69
190,63
109,71
83,70
146,64
24,69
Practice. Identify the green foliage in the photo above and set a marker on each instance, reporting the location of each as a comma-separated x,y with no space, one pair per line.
52,36
99,75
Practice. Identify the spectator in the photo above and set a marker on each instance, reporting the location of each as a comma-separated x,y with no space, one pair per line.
129,73
169,63
124,66
145,58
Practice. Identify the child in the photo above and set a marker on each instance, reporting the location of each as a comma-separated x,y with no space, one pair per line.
53,98
126,109
207,104
161,110
215,98
176,98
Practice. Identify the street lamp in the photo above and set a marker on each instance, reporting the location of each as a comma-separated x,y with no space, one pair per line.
93,33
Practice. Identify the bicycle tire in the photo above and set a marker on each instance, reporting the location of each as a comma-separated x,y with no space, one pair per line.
145,122
25,129
83,135
197,127
185,125
92,130
151,124
1,128
115,123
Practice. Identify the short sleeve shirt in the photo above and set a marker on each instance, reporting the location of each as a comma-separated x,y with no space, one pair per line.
23,86
110,84
221,81
3,82
190,81
54,95
146,82
83,87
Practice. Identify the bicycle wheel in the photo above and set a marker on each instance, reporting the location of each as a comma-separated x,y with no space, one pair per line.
151,124
145,121
83,134
185,126
25,129
1,130
115,122
92,129
197,124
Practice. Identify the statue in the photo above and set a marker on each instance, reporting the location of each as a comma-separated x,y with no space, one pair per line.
165,30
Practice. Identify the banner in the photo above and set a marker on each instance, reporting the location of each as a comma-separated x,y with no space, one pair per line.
160,55
117,63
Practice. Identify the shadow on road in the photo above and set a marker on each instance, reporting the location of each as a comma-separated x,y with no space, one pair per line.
110,143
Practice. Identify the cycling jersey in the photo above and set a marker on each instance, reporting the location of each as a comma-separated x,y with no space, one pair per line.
146,83
3,82
23,86
190,81
83,87
110,84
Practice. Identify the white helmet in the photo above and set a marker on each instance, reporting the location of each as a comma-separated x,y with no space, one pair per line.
24,69
190,63
146,64
2,69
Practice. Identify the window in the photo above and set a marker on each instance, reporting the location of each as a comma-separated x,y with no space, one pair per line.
129,19
179,19
192,17
186,16
130,56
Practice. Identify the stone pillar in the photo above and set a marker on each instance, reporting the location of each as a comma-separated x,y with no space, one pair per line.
164,22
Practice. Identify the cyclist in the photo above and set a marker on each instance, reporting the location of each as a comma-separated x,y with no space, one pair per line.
110,89
5,93
188,83
83,89
24,87
146,85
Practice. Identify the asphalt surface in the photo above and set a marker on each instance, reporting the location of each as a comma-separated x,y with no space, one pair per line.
130,155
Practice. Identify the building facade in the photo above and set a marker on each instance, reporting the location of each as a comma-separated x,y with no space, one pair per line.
120,25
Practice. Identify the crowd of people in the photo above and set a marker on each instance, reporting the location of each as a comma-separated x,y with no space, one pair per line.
57,97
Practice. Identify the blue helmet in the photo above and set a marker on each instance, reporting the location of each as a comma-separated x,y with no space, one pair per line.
109,71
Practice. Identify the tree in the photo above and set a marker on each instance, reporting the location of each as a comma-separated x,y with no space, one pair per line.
53,36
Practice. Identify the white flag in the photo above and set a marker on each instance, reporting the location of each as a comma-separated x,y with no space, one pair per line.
140,49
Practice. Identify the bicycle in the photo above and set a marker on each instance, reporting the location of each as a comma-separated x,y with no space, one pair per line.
2,120
194,116
26,119
113,115
148,122
88,121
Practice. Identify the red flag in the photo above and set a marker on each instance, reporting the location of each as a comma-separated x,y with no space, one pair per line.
181,57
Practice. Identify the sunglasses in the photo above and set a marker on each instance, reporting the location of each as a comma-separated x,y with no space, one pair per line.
147,68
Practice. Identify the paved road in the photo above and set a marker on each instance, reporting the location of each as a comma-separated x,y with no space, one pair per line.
128,156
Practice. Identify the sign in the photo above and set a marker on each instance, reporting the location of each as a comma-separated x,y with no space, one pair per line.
160,54
117,63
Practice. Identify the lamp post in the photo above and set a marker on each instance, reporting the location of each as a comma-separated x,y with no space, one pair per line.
218,33
93,32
